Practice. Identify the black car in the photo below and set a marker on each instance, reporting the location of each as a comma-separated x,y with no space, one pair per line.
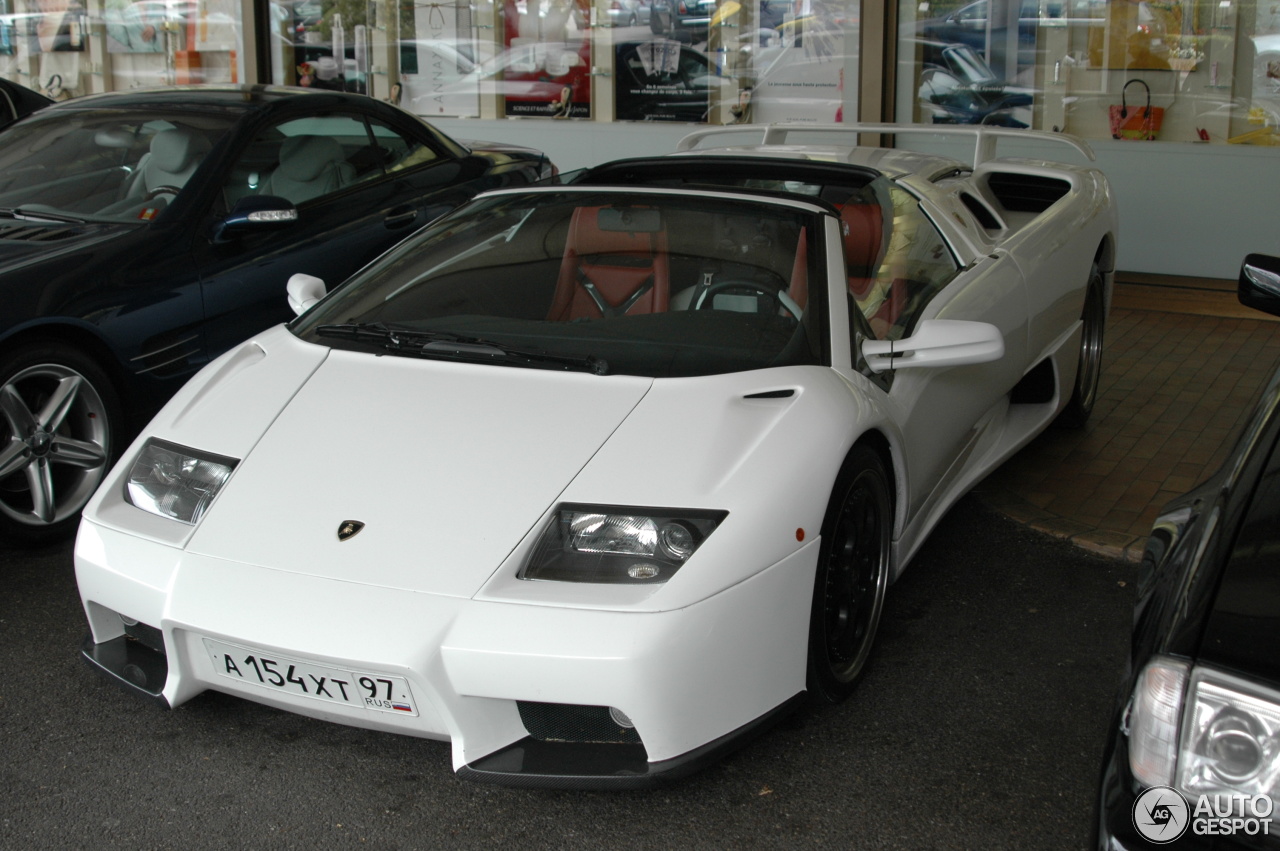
142,234
1193,756
17,101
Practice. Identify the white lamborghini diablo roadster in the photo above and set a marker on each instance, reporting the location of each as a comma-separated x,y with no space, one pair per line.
594,479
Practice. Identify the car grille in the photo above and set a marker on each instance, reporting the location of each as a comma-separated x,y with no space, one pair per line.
563,722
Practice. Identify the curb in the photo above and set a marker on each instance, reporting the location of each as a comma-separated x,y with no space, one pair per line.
1113,545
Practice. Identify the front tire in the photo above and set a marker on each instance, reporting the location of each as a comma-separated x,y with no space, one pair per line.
852,575
59,417
1089,370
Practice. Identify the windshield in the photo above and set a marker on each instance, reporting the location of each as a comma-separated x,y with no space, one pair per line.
610,282
102,165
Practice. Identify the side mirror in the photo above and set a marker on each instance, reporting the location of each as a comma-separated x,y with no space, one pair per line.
937,343
254,212
304,291
1259,285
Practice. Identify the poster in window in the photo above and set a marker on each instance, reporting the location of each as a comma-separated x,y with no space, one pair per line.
545,69
662,80
134,26
60,26
441,64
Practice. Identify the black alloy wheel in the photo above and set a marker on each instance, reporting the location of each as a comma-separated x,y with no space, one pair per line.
852,575
58,419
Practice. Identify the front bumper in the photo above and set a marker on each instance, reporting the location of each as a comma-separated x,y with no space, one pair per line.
690,683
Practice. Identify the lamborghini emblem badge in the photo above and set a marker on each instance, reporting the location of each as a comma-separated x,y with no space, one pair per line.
349,529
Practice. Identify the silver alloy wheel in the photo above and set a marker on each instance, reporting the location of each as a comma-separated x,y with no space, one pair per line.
1090,370
55,439
1093,321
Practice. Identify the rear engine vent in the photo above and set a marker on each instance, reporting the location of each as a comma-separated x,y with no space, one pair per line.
1026,193
985,217
565,722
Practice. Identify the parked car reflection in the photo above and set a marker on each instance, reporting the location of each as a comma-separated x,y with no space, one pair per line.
957,86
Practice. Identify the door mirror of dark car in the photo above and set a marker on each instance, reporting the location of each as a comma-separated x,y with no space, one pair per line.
304,291
937,343
1260,283
255,212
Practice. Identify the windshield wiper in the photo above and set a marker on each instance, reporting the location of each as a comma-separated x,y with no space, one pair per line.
444,344
39,216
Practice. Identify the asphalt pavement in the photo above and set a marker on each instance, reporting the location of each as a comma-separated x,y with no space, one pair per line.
980,724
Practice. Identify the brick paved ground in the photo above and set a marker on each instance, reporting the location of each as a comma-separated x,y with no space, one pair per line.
1175,389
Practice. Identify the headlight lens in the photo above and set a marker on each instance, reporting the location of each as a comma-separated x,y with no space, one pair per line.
614,544
1204,731
1231,737
175,482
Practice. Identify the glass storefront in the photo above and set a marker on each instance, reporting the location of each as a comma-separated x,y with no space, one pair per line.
1169,70
696,61
65,48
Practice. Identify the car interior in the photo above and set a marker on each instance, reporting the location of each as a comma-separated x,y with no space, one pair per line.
895,260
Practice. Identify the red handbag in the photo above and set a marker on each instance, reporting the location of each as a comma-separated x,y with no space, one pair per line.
1135,122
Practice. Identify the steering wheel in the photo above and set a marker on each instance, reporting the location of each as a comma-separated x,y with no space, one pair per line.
163,190
785,302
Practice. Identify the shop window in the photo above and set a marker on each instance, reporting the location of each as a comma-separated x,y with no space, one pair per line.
66,48
1189,70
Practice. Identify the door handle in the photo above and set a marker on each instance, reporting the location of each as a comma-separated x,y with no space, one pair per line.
400,217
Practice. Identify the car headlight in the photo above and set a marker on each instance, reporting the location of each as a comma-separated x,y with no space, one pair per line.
176,482
1230,737
613,544
1210,732
1153,721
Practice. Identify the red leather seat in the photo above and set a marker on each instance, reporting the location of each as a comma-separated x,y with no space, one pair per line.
863,248
863,240
610,272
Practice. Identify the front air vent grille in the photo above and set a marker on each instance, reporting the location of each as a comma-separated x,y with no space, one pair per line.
564,722
1026,193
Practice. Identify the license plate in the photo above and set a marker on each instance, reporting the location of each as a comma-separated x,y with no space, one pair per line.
376,692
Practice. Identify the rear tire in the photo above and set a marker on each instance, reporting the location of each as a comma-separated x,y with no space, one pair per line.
1089,370
59,420
852,575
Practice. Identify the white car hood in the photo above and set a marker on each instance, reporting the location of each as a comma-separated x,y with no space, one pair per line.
421,452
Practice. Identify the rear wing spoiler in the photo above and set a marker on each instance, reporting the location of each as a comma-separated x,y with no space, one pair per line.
984,137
